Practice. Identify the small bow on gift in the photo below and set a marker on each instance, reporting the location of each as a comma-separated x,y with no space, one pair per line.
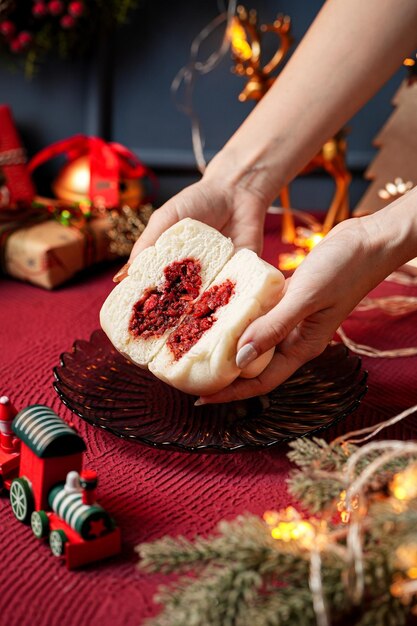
109,163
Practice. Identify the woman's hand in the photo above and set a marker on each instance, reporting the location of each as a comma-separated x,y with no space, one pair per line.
331,281
233,210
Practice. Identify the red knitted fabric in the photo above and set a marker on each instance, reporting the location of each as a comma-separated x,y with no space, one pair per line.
150,493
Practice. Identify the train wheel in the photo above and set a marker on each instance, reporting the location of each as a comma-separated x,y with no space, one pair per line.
21,499
39,523
57,541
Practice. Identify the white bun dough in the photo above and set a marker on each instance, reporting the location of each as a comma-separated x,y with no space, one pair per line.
209,364
186,239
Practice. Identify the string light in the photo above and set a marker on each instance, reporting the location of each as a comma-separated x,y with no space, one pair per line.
288,526
404,484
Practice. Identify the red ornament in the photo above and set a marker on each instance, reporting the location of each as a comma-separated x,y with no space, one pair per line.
15,46
56,7
67,21
24,38
7,28
39,9
76,9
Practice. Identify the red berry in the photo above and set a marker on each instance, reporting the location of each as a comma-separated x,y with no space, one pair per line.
7,28
39,9
76,9
67,21
16,46
55,7
24,38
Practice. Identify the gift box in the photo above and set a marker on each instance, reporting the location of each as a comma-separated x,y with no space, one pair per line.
16,186
97,214
46,252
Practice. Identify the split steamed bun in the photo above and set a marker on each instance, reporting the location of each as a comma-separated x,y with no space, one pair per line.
185,303
186,240
210,364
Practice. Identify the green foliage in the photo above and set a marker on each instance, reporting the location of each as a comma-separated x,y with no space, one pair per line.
242,576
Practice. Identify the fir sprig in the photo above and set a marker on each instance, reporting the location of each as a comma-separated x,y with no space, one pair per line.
242,575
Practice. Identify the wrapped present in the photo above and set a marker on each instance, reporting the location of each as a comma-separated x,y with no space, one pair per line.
47,246
97,214
15,182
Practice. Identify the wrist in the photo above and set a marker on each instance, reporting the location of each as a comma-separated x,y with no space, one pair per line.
393,230
248,173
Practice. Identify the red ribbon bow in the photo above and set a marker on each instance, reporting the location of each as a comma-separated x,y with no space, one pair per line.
109,162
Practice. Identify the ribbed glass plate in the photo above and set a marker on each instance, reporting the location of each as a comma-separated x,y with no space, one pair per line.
101,386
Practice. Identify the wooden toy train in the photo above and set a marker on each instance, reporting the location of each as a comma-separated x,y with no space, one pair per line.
40,464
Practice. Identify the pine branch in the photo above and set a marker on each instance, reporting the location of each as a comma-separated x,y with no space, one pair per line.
317,453
281,609
246,541
313,494
218,597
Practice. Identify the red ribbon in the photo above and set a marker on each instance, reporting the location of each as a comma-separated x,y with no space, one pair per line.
109,162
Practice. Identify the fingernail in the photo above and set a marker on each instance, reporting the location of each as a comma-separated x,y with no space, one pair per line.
199,402
122,273
246,355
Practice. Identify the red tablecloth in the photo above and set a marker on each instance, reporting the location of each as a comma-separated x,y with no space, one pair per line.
150,493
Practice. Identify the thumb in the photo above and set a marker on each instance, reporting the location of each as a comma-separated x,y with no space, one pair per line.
271,329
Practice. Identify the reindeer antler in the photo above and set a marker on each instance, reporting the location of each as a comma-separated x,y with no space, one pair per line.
245,35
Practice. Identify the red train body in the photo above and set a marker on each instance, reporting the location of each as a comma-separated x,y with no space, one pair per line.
40,465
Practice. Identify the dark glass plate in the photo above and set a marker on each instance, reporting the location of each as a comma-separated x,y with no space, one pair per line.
101,386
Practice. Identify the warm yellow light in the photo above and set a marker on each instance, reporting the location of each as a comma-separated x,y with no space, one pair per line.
288,526
81,177
409,62
412,572
271,517
345,516
315,239
307,238
407,556
341,506
291,260
301,531
238,40
397,589
404,484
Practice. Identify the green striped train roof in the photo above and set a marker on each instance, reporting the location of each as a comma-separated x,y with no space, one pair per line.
81,517
45,433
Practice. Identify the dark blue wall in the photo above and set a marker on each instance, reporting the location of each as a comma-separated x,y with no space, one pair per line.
124,94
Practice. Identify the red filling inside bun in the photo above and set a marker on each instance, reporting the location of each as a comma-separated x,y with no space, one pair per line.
199,319
159,309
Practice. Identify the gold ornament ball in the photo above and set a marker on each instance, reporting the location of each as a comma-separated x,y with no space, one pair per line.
73,184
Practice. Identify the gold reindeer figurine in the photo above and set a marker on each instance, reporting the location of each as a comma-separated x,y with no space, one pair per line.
246,43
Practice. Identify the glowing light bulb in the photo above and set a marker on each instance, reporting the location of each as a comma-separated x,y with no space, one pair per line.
404,484
288,526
